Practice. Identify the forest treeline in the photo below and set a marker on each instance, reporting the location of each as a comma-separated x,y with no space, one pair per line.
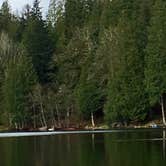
86,60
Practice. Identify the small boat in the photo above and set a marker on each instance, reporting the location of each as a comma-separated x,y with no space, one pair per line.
51,129
153,125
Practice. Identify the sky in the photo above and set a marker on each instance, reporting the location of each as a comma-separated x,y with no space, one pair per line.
19,4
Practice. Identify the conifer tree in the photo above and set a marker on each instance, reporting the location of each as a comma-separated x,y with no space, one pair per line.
155,70
127,100
5,16
38,43
18,80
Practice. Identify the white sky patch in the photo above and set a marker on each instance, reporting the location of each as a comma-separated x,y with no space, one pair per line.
17,5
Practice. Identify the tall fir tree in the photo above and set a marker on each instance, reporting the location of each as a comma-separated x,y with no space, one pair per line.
38,43
155,70
17,83
127,100
5,16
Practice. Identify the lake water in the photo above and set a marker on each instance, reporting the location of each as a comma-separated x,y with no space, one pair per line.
117,148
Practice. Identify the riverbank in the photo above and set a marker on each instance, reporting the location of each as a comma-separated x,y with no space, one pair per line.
157,123
101,126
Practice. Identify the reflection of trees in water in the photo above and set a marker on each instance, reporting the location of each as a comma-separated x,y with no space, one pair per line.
68,144
85,150
136,148
164,139
93,142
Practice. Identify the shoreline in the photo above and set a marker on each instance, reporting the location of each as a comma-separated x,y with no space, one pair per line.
39,133
102,126
89,128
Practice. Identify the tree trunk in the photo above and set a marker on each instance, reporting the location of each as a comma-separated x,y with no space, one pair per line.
43,117
92,120
53,118
16,126
163,111
10,120
68,117
58,116
22,124
41,121
34,116
42,111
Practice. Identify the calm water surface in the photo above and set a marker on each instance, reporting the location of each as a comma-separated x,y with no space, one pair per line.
127,148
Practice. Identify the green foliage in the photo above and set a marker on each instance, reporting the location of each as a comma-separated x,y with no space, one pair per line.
88,98
9,23
155,70
88,55
19,78
77,13
88,93
38,44
127,100
5,16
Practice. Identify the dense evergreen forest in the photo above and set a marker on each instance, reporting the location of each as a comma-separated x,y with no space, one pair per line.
87,60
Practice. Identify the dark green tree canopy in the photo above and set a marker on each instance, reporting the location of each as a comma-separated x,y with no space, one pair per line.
98,59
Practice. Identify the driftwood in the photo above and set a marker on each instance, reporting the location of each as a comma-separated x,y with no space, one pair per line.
43,128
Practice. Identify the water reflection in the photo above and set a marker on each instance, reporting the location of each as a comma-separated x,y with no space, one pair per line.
86,150
164,139
93,142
